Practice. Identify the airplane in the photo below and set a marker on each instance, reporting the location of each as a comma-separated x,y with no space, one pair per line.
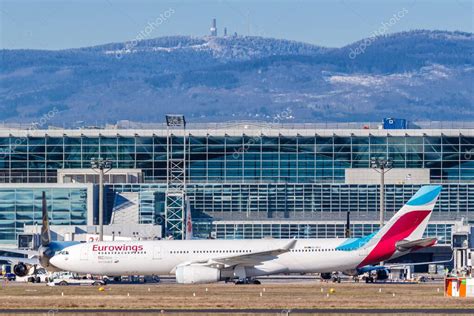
242,261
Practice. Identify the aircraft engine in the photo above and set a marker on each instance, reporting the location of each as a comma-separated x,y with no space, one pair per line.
197,274
21,269
382,274
45,254
326,276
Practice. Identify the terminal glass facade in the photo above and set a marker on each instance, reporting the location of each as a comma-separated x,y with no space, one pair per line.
320,201
23,206
242,159
298,201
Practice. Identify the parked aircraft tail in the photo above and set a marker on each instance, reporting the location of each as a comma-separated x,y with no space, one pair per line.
405,228
45,233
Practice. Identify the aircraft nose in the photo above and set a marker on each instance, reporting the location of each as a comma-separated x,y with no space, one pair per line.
55,261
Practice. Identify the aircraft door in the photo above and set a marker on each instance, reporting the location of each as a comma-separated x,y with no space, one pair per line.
157,253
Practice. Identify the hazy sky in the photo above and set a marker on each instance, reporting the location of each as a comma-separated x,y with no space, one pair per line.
66,24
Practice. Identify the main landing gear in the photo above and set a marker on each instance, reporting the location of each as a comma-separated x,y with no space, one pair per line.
34,279
247,281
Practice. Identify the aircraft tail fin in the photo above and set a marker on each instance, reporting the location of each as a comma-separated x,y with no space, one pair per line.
408,224
45,232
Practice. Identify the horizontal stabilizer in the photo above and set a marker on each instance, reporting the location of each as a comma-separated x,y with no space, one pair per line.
407,245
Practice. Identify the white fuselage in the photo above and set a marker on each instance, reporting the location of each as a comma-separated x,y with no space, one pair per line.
162,257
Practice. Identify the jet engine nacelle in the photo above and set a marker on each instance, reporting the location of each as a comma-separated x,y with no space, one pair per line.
197,274
382,274
20,269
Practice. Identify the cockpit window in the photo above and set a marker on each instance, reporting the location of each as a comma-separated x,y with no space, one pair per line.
63,252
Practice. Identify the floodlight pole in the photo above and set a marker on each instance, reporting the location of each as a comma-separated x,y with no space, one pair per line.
382,196
382,166
175,197
103,166
347,233
101,204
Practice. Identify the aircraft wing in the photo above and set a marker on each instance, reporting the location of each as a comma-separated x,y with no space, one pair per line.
15,260
247,259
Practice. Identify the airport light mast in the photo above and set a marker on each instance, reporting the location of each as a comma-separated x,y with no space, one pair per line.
102,166
175,195
381,165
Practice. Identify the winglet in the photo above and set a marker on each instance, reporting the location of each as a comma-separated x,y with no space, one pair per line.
289,245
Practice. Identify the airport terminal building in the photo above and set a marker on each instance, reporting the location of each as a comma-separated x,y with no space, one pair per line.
242,180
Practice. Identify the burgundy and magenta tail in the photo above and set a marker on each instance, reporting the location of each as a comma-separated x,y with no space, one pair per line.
407,225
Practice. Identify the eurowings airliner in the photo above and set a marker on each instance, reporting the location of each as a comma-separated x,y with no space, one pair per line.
207,261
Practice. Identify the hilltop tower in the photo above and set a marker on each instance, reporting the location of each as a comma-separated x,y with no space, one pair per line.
214,27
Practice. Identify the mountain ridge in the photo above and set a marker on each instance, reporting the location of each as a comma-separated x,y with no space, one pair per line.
417,75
